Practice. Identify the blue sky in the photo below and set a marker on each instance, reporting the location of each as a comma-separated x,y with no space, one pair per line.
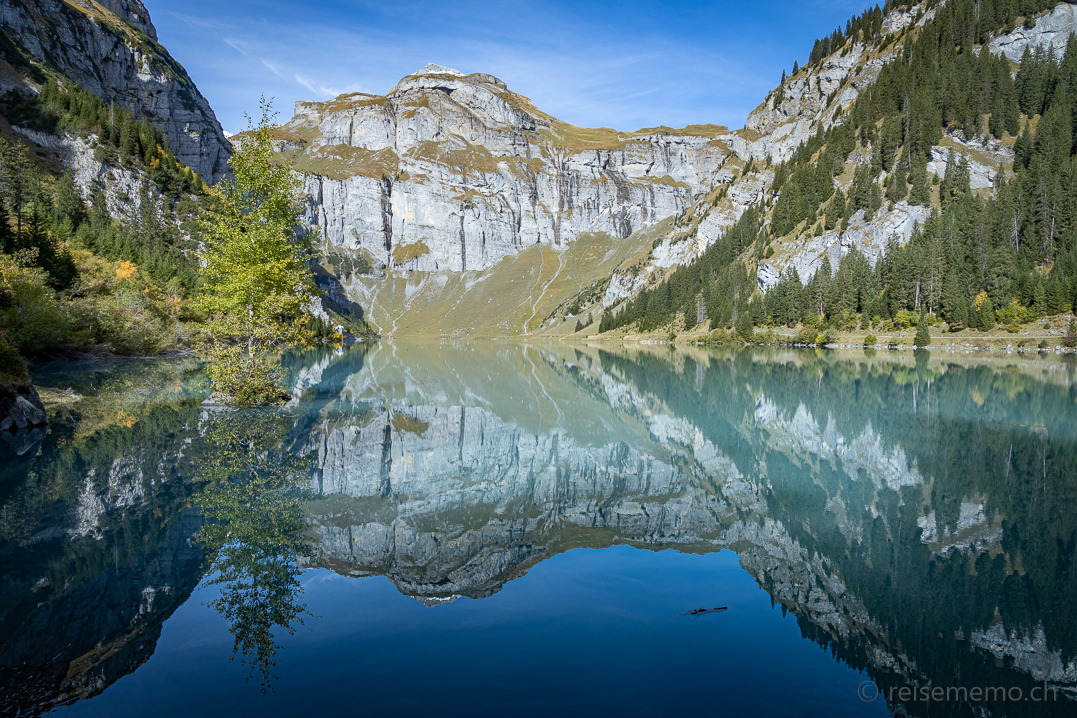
626,65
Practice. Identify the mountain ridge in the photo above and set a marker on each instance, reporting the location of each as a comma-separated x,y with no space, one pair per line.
448,202
462,172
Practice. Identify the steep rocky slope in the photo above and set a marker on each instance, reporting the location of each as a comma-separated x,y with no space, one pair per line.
812,101
453,172
111,48
456,172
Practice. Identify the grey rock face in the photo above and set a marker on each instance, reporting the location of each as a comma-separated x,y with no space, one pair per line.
1051,31
455,172
112,49
122,187
869,237
22,409
788,123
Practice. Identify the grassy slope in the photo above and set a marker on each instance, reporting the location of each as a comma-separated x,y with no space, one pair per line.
510,299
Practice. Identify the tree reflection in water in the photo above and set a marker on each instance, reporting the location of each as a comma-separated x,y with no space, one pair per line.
255,532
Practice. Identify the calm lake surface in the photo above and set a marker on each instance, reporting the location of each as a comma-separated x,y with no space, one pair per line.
485,528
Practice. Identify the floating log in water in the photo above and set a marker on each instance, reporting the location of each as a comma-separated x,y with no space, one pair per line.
697,611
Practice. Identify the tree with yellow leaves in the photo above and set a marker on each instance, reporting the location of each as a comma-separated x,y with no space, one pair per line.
254,260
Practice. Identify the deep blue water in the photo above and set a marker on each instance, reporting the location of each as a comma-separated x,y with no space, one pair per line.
585,633
481,529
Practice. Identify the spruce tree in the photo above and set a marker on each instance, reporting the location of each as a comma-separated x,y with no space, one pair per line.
923,337
744,325
986,314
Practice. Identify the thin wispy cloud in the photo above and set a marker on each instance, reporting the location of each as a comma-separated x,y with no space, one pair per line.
192,20
235,44
324,90
274,69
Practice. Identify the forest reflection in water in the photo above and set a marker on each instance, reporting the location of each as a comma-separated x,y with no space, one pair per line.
917,515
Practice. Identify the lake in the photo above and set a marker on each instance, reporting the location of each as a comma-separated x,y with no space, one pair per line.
489,528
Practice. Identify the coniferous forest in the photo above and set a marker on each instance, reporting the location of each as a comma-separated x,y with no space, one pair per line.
982,259
75,277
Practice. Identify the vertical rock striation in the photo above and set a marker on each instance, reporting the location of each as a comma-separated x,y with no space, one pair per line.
453,171
111,48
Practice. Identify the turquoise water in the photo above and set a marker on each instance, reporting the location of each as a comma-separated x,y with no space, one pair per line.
482,528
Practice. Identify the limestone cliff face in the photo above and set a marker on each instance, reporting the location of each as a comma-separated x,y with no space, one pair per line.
455,172
1050,31
111,48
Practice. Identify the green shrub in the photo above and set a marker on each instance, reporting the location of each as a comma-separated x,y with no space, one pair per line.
870,340
12,368
31,317
904,319
719,336
125,321
1070,340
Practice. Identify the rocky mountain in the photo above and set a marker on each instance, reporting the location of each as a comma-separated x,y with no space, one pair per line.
454,172
816,99
450,173
111,48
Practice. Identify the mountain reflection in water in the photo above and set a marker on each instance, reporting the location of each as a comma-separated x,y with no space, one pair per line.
918,517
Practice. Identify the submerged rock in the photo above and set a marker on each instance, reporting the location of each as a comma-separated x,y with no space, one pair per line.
21,408
22,421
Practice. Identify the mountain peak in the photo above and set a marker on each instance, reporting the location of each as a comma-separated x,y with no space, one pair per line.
434,69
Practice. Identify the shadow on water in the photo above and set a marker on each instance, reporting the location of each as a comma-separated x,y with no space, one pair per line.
917,514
